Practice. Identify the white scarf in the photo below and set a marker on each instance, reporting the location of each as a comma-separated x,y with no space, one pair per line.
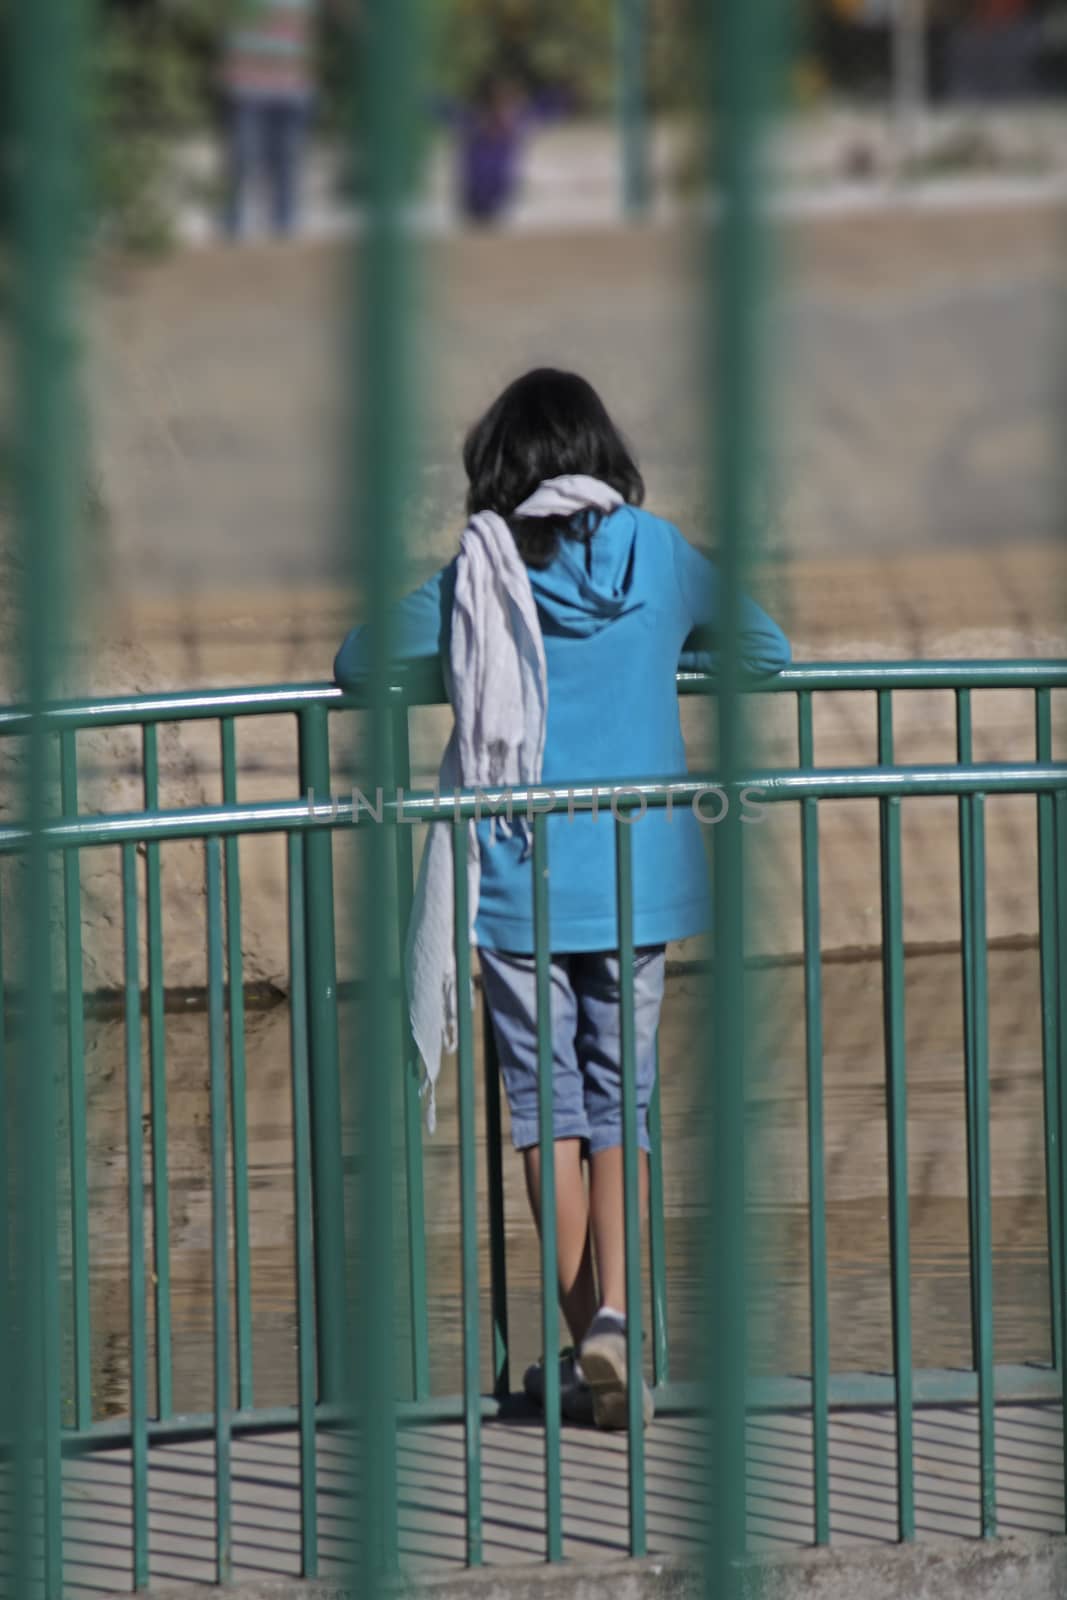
498,685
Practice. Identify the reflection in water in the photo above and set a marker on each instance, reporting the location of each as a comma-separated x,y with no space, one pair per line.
855,1177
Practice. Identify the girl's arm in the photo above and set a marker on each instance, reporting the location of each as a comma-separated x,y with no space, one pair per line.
420,627
764,647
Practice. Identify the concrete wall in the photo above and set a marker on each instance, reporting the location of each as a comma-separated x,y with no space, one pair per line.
1000,1570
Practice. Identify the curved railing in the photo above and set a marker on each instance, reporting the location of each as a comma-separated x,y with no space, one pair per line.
308,815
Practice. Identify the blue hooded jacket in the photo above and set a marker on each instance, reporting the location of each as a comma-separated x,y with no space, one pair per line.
615,614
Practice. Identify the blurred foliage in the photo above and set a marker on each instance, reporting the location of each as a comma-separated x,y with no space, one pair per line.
154,71
559,48
154,78
151,80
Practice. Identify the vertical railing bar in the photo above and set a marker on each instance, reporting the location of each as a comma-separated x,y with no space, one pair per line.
494,1162
7,1203
157,1067
135,1220
725,1258
965,814
6,1198
624,892
818,1271
78,1136
546,1144
51,1417
983,1255
5,1166
238,1076
897,1129
414,1183
1060,848
472,1411
302,1211
324,1067
657,1243
219,1227
1052,955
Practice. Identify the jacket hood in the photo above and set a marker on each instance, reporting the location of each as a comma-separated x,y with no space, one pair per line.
587,586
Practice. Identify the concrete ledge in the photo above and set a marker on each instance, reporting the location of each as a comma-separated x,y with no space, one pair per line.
1007,1569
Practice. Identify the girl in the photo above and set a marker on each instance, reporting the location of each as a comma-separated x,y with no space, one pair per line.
561,625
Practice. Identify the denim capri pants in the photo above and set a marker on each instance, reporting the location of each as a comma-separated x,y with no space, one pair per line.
586,1041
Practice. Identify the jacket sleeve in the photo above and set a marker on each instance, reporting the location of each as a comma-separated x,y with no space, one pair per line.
764,647
420,629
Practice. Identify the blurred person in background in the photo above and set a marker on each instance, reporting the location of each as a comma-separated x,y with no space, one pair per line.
268,86
492,136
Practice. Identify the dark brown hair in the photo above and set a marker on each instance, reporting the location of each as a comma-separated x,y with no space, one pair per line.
545,425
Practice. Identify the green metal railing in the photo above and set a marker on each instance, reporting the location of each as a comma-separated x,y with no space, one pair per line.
309,820
343,1219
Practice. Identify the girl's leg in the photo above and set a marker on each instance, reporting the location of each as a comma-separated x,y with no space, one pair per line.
244,138
574,1256
511,991
599,1047
604,1350
285,150
608,1227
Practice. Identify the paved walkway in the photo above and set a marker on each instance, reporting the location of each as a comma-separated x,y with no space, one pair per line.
217,387
266,1525
839,159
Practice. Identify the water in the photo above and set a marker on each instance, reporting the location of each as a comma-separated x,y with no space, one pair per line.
857,1211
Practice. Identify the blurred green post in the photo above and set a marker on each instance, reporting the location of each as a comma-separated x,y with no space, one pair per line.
44,161
631,25
742,45
390,110
909,80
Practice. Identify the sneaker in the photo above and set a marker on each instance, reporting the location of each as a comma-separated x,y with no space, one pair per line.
575,1397
603,1365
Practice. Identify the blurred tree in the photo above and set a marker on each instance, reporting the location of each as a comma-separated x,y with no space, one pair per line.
559,50
155,73
153,82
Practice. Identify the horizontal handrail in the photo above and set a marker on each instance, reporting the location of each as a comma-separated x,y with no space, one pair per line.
1034,673
421,683
187,706
627,794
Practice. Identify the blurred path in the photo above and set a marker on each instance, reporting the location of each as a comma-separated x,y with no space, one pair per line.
916,365
837,158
